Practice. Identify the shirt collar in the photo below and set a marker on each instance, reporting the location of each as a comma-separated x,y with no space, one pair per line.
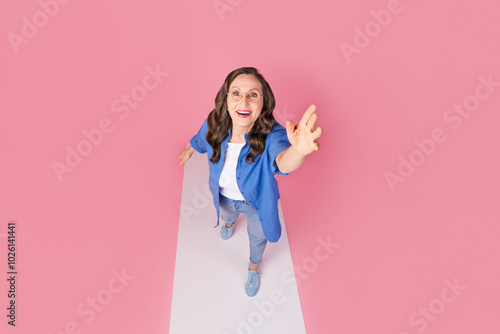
229,134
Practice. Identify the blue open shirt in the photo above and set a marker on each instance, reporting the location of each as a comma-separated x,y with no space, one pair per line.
256,181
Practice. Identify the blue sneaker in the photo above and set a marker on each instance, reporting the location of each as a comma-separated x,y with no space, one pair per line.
253,283
226,232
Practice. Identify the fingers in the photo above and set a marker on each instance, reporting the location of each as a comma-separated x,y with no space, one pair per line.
290,128
310,117
311,122
184,156
317,133
308,113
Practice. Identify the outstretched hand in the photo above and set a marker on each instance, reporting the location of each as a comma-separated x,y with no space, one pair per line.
302,137
185,155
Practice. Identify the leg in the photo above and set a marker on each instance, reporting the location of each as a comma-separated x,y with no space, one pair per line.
228,215
258,244
258,240
228,212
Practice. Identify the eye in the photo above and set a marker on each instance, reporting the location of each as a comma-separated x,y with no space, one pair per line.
235,93
254,95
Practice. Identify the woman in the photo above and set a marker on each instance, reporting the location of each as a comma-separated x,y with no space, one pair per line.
246,147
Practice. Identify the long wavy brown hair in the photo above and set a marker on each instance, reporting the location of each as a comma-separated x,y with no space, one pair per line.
219,121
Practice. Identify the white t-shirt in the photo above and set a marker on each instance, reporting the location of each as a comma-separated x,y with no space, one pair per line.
227,182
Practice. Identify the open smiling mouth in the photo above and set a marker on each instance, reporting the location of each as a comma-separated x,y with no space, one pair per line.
243,113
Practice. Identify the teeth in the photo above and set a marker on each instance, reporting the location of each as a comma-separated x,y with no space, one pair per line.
244,112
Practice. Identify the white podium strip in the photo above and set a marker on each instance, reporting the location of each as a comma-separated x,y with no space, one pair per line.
210,273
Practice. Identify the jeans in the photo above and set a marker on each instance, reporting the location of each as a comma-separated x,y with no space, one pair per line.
230,209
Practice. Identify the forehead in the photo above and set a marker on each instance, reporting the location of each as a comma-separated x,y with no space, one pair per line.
246,82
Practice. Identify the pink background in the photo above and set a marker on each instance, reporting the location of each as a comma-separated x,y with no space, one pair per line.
119,208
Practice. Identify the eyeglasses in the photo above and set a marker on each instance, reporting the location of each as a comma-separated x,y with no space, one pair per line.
236,95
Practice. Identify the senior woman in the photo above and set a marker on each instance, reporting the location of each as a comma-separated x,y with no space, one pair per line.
246,147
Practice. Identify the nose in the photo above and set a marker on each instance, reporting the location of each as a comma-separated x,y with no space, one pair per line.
244,98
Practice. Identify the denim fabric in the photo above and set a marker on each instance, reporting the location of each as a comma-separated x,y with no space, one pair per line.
256,180
230,209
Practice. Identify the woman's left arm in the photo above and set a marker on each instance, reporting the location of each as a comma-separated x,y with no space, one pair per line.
303,140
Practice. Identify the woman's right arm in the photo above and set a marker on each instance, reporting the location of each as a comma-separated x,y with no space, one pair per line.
198,143
186,155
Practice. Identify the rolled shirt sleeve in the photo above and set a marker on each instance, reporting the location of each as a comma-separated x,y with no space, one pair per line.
278,142
199,141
